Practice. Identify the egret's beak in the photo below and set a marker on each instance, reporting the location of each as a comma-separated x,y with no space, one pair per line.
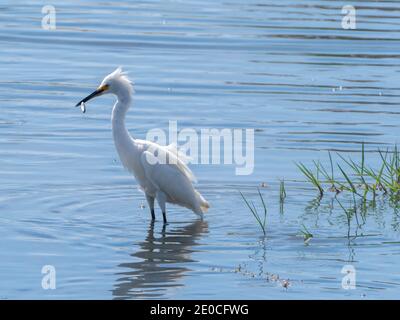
99,91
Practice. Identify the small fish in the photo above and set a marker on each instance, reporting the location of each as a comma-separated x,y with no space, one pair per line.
83,107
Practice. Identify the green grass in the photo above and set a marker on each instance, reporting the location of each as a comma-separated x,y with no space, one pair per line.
312,177
282,195
282,191
349,212
306,234
260,219
356,176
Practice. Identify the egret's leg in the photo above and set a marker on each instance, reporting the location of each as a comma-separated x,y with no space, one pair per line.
150,201
164,215
162,199
163,232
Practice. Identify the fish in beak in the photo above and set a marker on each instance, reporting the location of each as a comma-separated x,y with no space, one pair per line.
98,92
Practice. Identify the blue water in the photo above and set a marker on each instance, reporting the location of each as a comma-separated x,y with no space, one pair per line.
286,69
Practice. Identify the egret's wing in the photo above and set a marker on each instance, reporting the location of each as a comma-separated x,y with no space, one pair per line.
180,155
181,160
173,158
169,178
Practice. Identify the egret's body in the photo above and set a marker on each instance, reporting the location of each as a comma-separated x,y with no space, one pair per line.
170,181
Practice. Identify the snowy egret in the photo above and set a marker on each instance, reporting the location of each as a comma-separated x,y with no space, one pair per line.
170,181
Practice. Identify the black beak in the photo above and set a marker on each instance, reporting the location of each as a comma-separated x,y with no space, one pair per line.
94,94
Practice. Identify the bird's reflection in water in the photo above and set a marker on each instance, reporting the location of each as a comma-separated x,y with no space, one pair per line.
162,255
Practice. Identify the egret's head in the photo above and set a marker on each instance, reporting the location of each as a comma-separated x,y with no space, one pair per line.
116,83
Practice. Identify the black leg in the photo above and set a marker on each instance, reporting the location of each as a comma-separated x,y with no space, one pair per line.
150,201
164,217
164,226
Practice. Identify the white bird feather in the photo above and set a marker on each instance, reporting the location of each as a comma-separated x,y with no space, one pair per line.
167,181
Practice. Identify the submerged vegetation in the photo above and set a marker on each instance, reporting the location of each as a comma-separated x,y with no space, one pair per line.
250,204
357,177
306,234
282,191
360,184
282,195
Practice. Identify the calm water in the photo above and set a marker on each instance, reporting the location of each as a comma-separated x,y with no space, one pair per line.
286,69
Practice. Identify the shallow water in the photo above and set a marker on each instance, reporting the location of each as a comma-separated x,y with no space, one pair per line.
286,69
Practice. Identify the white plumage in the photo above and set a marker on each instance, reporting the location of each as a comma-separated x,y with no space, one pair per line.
166,181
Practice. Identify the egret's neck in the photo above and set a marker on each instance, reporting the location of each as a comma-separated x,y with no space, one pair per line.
119,111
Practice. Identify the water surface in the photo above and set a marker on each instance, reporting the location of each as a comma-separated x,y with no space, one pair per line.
286,69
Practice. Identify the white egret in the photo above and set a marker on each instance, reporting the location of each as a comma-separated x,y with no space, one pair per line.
170,181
